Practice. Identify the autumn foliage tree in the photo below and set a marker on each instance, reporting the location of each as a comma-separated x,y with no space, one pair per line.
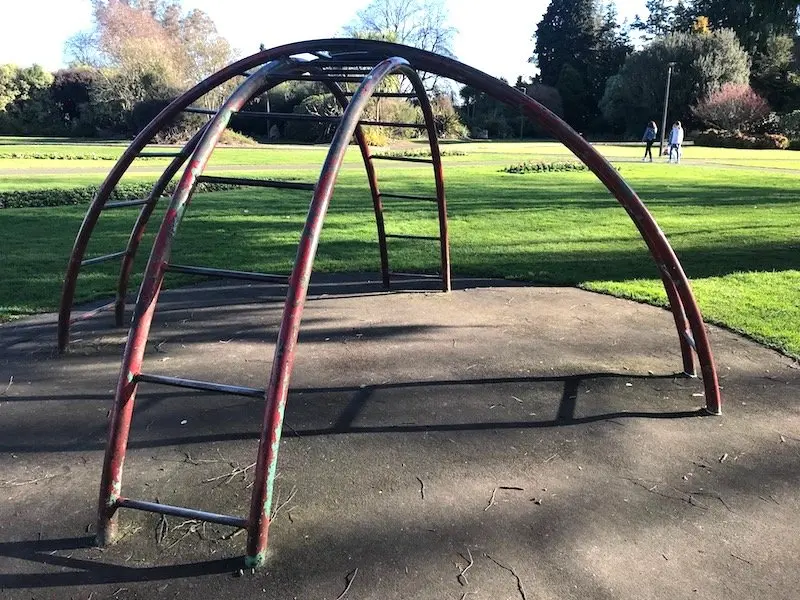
734,107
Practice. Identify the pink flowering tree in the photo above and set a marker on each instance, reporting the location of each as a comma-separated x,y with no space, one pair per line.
734,107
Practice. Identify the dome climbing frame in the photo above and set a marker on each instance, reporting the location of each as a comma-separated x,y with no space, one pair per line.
331,62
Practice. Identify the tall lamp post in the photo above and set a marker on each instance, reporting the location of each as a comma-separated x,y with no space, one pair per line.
666,106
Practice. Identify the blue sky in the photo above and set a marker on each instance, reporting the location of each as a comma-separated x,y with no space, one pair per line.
494,35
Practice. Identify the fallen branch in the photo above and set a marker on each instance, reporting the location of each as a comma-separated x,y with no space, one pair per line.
491,500
514,573
421,488
350,579
462,577
8,387
285,502
237,470
15,483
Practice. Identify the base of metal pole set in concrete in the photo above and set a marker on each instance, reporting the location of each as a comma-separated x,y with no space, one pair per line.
334,63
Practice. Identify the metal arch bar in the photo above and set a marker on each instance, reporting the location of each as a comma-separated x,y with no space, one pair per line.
139,227
372,179
278,386
122,411
684,307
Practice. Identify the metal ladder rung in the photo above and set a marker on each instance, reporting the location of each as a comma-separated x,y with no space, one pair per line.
179,511
205,386
409,197
227,273
413,159
268,183
159,154
386,94
101,259
278,116
415,275
404,236
126,203
688,337
320,79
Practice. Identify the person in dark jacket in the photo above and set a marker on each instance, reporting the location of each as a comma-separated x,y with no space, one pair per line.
649,138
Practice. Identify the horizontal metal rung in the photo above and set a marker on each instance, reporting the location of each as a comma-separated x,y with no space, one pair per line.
409,197
417,275
268,183
126,203
279,116
244,275
101,259
413,159
403,236
690,339
159,154
205,386
321,79
387,94
393,124
179,511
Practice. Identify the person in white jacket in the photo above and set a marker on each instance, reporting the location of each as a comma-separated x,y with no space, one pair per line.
675,142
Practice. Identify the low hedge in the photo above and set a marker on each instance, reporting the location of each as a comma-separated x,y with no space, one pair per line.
717,138
84,195
57,156
419,153
530,166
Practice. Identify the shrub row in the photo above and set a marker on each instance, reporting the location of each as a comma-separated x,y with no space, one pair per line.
717,138
84,195
56,156
530,166
420,153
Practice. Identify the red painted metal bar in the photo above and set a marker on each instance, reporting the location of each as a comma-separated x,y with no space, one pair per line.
283,360
372,179
179,511
122,412
139,227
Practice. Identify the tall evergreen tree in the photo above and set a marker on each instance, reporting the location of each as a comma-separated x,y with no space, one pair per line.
752,20
578,46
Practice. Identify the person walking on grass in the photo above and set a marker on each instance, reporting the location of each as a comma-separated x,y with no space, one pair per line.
675,142
648,138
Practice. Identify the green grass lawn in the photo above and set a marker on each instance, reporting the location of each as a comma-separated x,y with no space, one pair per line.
732,222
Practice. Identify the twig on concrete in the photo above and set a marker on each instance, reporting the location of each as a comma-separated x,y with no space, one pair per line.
15,483
285,502
8,387
421,488
237,470
551,458
491,500
514,573
741,559
161,529
350,579
714,495
462,577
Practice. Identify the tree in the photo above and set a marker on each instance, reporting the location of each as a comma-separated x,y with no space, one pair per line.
776,75
752,20
734,107
25,102
419,23
703,64
577,48
663,17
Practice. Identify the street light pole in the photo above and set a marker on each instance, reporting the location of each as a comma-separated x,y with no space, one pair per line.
666,106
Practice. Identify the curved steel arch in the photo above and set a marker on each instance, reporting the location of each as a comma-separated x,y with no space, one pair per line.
686,313
202,146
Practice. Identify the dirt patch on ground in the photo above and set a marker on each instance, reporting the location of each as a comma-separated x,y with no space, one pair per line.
500,442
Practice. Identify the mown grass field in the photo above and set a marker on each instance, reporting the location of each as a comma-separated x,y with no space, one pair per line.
732,216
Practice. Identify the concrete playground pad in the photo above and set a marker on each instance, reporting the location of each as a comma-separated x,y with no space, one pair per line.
501,441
